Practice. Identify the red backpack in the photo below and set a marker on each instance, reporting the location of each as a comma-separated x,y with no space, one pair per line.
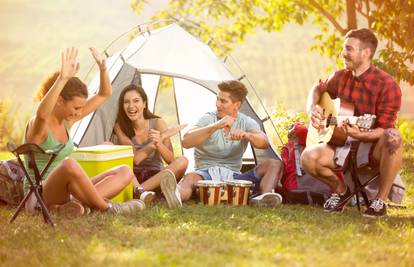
298,186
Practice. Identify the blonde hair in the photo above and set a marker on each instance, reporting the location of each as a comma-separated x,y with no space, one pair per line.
73,87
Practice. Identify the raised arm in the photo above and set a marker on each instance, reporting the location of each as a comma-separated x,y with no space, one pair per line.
105,87
198,135
69,67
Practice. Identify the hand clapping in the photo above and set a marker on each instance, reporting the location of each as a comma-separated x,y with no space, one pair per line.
154,136
238,135
226,122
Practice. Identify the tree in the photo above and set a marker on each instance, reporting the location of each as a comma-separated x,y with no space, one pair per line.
229,22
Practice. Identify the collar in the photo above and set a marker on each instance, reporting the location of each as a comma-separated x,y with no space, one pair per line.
364,76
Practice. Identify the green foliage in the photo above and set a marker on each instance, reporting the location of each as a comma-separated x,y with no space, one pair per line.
406,126
228,22
6,155
394,21
12,124
284,119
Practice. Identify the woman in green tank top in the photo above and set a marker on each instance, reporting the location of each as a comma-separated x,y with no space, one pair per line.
63,101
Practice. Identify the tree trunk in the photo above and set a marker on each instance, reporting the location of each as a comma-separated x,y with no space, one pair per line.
351,14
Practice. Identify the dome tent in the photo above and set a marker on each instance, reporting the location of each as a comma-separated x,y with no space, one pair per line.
191,69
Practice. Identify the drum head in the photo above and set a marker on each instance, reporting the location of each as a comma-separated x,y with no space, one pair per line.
209,183
241,183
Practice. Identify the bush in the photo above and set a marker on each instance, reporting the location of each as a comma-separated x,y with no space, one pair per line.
406,127
12,124
284,119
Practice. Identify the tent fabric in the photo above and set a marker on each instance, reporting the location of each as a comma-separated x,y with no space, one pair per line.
172,50
166,52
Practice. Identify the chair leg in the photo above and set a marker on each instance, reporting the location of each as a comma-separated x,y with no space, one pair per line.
364,194
21,205
360,189
45,211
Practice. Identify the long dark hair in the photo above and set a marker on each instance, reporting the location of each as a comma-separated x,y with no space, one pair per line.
122,119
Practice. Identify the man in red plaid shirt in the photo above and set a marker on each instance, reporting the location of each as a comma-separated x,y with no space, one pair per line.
372,91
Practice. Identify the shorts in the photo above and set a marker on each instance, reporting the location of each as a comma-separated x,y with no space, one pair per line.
364,155
144,174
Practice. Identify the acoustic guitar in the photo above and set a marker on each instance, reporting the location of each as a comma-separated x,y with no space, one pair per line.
331,133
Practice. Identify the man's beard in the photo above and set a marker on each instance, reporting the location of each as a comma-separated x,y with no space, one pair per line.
353,64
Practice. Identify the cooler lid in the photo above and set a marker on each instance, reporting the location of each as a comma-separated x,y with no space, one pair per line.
102,152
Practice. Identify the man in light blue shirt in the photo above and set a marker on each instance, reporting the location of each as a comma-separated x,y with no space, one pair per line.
218,149
220,139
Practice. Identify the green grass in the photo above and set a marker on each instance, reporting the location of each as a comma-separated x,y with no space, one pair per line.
223,236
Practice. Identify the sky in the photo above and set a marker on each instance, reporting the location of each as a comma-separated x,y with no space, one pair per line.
35,32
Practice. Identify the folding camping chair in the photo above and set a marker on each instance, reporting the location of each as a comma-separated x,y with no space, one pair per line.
359,187
31,150
365,181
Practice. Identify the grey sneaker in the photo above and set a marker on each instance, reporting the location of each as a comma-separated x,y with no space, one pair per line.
126,208
170,190
266,200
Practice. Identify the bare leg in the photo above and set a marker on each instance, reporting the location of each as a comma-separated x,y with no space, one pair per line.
69,178
270,172
178,167
111,182
389,165
318,162
187,185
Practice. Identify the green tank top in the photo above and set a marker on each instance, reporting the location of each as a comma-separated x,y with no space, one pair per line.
41,159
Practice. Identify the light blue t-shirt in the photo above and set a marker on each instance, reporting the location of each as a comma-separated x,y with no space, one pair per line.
217,150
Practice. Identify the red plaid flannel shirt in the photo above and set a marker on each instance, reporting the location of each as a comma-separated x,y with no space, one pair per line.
373,92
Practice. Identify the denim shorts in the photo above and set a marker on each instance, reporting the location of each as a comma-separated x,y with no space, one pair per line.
248,176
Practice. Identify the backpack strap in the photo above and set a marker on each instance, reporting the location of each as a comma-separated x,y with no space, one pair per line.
292,136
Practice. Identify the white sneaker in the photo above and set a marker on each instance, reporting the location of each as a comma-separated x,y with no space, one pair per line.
147,197
170,190
266,200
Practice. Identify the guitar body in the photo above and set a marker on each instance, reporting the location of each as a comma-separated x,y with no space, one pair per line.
330,134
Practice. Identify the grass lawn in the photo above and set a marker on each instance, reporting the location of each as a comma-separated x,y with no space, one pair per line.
223,236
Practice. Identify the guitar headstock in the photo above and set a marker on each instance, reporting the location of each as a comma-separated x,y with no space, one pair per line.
367,121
